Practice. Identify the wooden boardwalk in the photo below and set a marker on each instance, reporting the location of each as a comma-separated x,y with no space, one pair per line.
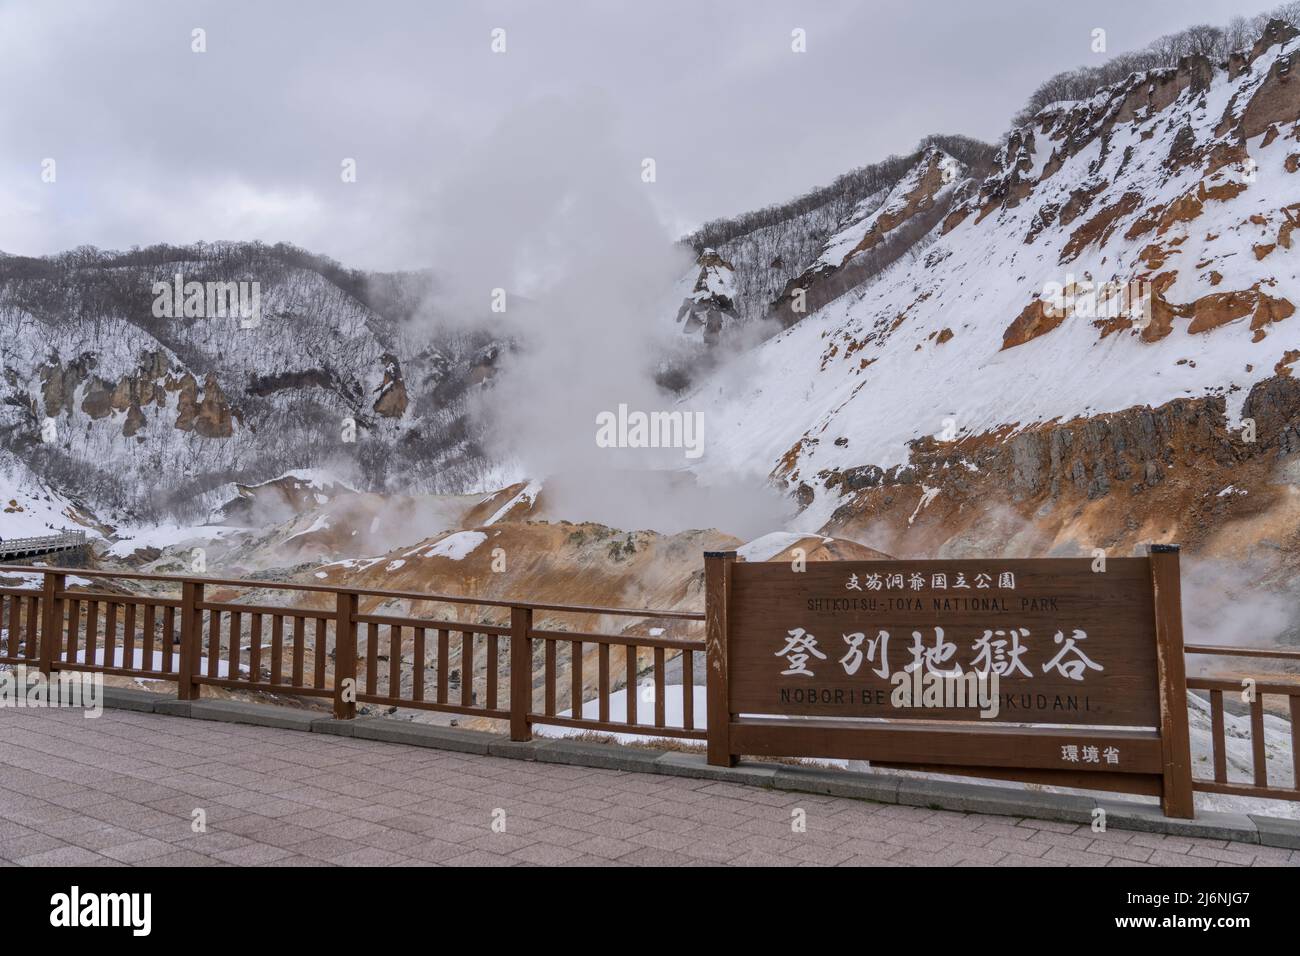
14,548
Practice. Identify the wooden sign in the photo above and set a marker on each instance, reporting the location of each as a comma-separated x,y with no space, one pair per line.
1064,644
1044,670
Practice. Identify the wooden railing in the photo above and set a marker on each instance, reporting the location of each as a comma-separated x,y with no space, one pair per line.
346,648
48,544
1253,692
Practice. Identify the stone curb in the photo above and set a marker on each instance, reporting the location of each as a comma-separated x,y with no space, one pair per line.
174,708
1275,832
125,698
602,756
878,788
261,715
420,735
677,764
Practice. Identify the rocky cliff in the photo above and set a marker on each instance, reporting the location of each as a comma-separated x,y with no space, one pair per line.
146,408
1073,355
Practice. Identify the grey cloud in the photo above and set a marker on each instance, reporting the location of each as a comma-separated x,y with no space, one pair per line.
156,143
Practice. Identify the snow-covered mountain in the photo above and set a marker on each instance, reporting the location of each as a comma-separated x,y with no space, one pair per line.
770,248
1083,338
1126,252
114,388
874,234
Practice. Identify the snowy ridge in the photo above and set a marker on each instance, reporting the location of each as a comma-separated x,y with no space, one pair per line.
936,175
1088,193
134,409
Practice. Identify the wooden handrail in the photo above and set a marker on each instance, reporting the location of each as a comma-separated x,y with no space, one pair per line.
1225,651
43,544
223,643
366,592
628,640
1217,687
229,645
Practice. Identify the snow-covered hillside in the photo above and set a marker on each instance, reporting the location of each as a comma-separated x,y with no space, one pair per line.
961,328
146,412
934,175
29,508
771,247
1181,185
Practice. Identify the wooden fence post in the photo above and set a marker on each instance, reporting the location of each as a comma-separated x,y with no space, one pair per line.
521,672
717,593
1176,798
345,656
51,620
191,626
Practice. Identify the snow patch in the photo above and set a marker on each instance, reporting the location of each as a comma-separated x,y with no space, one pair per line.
674,713
770,545
456,547
927,495
528,494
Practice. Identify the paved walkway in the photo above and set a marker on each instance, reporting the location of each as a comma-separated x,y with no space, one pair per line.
125,788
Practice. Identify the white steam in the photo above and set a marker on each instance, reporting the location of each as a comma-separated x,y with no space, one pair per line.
550,210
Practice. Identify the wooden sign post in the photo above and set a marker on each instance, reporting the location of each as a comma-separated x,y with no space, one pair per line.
1061,671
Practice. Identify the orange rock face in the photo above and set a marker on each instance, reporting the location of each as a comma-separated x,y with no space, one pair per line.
1037,318
392,400
1220,308
1276,101
1269,310
209,416
920,198
1100,226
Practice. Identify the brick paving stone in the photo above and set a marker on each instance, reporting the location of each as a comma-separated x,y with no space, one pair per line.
1076,857
254,854
1072,841
1013,859
14,848
661,840
1053,825
1171,844
1241,855
608,848
370,856
1168,858
138,851
64,856
480,858
1122,851
503,843
122,793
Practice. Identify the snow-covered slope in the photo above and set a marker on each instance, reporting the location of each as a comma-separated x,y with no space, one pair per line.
934,175
771,247
1185,181
878,232
146,411
29,508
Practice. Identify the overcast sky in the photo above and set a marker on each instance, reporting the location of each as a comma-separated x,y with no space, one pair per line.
154,142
